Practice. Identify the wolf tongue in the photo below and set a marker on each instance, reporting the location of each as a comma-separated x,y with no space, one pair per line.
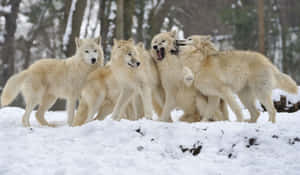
158,54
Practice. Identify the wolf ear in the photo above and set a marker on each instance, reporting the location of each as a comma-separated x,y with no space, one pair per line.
207,38
78,42
131,40
173,33
141,45
98,40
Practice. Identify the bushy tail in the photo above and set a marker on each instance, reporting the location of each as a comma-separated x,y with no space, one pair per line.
12,88
286,83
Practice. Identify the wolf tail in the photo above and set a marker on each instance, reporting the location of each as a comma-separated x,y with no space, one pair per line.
285,82
12,88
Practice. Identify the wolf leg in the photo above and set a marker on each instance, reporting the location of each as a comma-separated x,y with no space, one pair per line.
29,107
248,99
147,102
169,105
71,103
266,99
47,102
229,97
122,102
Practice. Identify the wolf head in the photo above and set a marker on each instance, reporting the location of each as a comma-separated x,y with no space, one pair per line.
163,44
195,40
126,52
201,43
90,50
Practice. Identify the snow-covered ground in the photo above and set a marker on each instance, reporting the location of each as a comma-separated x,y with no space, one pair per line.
149,147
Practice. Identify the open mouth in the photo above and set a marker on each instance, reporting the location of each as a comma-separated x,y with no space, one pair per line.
131,65
160,53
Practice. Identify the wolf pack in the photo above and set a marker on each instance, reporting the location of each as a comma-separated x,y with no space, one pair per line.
189,74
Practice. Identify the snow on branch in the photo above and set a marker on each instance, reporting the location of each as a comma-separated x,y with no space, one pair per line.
4,10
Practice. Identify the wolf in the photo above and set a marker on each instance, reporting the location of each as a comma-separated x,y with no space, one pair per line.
248,74
102,89
189,56
48,79
99,94
153,79
165,53
133,78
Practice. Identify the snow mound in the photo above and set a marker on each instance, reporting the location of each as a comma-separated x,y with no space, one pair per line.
149,147
289,97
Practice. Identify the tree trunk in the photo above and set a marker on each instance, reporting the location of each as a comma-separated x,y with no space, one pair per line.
105,8
8,50
120,20
89,6
76,25
129,7
261,26
283,33
140,19
67,7
156,19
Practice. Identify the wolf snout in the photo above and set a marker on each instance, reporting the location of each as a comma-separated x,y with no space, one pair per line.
180,42
134,63
93,60
155,47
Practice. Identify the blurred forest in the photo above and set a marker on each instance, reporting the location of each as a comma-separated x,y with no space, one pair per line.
35,29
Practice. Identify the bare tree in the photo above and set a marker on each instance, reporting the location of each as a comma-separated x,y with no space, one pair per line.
120,20
261,26
156,18
105,9
76,17
129,8
8,49
140,12
283,34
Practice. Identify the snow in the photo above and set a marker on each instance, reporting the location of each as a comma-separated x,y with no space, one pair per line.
24,26
149,147
290,97
57,4
5,9
68,30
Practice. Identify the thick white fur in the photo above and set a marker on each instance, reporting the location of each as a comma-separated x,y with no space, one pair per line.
48,79
248,74
177,94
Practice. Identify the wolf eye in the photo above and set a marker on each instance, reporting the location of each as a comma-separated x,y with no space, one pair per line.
86,51
95,50
190,39
129,54
163,41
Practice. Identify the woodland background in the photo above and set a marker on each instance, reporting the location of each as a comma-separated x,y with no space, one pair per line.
35,29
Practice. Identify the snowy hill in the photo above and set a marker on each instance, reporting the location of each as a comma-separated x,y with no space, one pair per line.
149,147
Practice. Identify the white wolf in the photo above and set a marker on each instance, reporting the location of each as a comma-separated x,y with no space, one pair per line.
102,89
248,74
132,77
177,95
48,79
